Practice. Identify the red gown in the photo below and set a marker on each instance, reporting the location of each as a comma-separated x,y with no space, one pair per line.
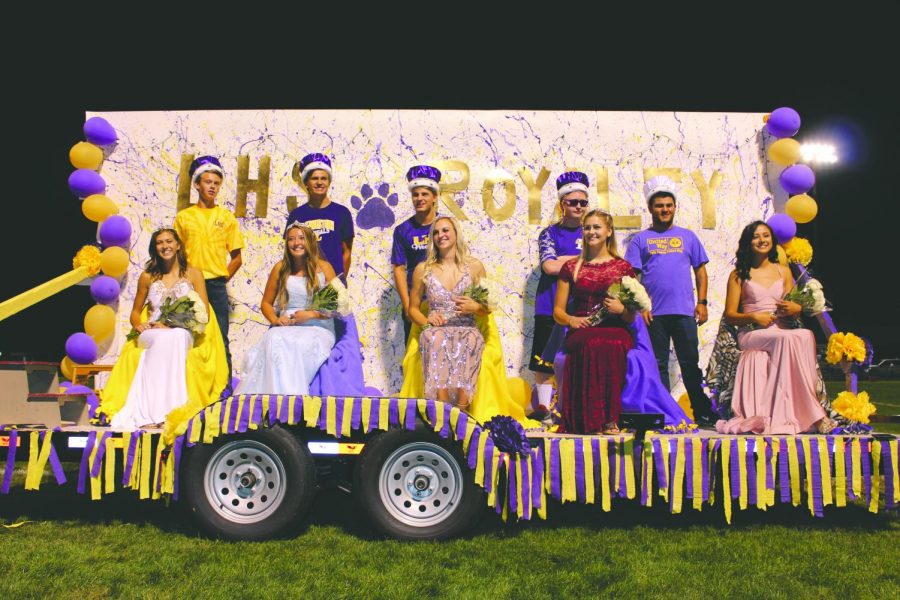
594,373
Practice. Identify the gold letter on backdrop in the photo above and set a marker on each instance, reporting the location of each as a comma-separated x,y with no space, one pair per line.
498,213
184,182
620,221
534,193
246,185
707,197
295,175
448,188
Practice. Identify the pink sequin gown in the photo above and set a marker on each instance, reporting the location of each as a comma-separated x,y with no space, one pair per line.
775,386
451,353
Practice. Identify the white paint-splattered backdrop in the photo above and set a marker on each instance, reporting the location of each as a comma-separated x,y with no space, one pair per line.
491,160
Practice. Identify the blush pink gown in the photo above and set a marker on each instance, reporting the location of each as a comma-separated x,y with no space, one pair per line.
775,386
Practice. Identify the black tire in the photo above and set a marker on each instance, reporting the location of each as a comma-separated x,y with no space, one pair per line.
255,486
415,485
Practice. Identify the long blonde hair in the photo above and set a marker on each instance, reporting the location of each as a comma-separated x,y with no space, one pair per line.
610,241
287,265
461,258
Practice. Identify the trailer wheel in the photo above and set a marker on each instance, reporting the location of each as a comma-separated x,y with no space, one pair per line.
253,487
414,485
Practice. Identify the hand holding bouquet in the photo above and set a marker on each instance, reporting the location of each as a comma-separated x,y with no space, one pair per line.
187,312
331,300
809,296
629,292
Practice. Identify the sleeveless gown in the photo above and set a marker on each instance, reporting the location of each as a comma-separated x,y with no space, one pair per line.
451,353
596,357
288,357
159,384
775,386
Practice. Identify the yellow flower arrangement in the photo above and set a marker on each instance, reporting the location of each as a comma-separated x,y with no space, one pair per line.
89,258
855,407
845,346
798,250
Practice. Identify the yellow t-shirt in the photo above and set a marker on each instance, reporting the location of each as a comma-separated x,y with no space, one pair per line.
209,235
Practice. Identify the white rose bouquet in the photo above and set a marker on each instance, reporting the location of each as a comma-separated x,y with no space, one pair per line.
629,292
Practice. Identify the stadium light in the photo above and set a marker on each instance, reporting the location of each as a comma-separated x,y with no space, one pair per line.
819,153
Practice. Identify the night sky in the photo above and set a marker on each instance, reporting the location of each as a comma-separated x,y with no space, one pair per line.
843,99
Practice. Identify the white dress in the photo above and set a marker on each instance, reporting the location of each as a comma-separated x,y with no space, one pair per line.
288,357
159,383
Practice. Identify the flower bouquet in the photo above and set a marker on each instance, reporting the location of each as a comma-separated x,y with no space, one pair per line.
331,300
629,292
810,296
187,312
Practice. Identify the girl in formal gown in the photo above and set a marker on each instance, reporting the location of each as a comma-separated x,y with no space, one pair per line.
596,355
299,340
165,368
451,343
775,385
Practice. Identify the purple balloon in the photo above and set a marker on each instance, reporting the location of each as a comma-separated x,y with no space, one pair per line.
797,179
105,289
98,131
783,122
85,182
81,348
115,231
783,227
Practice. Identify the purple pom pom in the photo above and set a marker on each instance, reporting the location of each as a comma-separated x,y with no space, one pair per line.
508,435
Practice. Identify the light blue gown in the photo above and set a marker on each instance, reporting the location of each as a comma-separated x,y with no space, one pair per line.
288,357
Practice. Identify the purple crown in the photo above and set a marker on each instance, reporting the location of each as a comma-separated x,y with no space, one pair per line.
311,162
204,164
571,181
424,176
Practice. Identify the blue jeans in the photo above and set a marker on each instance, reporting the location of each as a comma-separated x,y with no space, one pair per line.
681,330
218,299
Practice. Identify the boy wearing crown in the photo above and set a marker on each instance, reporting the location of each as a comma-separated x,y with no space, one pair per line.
212,241
332,222
411,236
665,255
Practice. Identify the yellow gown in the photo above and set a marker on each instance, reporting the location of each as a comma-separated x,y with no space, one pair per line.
206,373
492,396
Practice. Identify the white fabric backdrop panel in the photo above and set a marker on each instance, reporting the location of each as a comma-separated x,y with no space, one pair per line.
491,156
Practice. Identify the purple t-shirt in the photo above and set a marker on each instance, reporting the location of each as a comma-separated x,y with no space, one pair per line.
667,260
553,242
333,225
410,246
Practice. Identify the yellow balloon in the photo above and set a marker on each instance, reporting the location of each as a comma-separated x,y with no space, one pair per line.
801,208
782,255
97,207
785,151
65,366
520,390
114,261
99,322
86,156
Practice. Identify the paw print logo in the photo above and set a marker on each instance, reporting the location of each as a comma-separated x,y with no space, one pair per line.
374,208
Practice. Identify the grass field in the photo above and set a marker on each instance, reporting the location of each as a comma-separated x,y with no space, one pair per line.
71,547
